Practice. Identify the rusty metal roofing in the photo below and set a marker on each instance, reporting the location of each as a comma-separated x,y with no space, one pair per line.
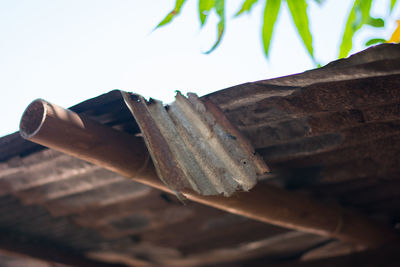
193,145
331,133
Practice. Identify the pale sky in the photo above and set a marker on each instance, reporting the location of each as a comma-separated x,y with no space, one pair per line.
67,51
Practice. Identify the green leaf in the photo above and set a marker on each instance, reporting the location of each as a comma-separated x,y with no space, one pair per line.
392,4
358,16
376,22
349,30
365,8
172,14
219,6
270,16
375,41
320,2
204,9
246,7
298,9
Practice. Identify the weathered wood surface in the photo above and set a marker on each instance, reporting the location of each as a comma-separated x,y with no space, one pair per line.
386,257
332,133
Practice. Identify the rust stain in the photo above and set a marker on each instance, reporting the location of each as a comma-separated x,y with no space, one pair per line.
194,145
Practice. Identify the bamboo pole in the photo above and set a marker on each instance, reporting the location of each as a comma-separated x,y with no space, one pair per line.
76,135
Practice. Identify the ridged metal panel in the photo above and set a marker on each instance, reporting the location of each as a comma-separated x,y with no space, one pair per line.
194,146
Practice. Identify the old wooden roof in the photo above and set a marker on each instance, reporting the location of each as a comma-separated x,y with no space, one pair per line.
332,133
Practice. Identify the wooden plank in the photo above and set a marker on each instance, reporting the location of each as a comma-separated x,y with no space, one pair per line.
388,256
44,249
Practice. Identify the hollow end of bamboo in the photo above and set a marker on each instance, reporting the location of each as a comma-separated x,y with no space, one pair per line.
33,118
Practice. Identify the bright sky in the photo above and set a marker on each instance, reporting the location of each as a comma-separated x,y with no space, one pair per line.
66,51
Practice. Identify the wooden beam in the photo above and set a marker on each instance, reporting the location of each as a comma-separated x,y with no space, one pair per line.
385,256
47,250
76,135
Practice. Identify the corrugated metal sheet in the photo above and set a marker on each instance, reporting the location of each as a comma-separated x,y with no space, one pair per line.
332,133
194,146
